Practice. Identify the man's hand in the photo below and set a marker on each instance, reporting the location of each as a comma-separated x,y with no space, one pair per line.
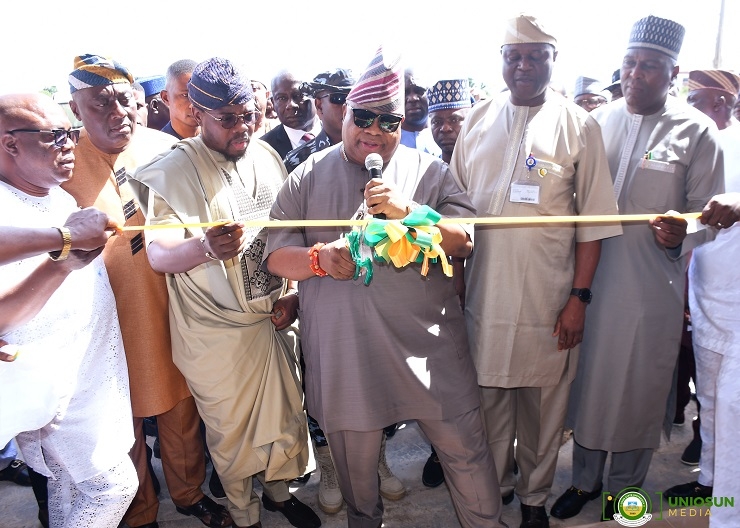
6,356
77,259
336,261
570,324
722,210
90,228
225,242
285,311
668,230
381,196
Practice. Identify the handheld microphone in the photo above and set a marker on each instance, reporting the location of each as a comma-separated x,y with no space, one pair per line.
374,165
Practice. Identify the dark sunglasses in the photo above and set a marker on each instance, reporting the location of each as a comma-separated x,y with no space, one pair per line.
60,134
386,122
230,120
336,98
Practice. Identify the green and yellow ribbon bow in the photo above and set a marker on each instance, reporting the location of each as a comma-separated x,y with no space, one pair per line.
415,238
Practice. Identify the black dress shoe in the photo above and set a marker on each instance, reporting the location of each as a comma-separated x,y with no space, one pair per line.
390,431
297,513
209,512
570,503
432,476
692,453
16,472
303,478
534,517
508,498
689,490
214,484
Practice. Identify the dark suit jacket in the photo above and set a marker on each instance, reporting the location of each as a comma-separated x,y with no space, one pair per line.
278,139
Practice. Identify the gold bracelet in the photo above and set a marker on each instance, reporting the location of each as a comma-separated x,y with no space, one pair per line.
67,245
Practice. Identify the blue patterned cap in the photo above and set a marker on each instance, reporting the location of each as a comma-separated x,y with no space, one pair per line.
153,84
449,94
216,83
95,70
587,85
659,34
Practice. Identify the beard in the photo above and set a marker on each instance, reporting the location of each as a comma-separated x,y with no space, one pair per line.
232,158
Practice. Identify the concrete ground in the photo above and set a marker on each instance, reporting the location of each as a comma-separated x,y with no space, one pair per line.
423,507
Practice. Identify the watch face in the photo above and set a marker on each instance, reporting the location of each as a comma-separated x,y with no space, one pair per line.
585,295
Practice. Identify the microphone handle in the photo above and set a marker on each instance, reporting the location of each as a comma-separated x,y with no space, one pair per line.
377,173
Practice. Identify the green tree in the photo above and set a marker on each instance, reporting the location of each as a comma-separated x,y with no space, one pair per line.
50,90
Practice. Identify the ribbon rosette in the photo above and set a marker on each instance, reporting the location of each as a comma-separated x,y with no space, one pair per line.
416,238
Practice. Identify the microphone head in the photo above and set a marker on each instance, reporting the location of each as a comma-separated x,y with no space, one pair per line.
374,161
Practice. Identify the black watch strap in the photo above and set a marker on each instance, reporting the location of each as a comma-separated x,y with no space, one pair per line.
583,294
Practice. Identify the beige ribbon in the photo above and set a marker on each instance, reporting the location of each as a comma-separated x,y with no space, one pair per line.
486,220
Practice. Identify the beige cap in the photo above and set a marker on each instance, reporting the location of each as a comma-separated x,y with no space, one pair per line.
526,29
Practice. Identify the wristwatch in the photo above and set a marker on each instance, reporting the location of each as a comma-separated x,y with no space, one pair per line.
583,294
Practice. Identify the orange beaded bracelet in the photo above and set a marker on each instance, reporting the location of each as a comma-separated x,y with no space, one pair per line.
313,254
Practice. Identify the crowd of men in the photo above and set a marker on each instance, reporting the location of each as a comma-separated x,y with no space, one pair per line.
139,285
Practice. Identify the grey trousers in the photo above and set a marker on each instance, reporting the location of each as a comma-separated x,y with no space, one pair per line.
463,452
533,416
628,468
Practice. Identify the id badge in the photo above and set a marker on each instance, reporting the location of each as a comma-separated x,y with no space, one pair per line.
525,191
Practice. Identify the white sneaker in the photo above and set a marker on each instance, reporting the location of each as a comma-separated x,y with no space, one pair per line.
390,487
330,497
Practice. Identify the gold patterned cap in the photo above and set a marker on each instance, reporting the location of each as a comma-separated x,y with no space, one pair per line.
717,79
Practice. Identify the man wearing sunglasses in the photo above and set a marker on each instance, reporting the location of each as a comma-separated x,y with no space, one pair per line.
395,350
293,103
330,91
66,394
111,147
530,152
229,314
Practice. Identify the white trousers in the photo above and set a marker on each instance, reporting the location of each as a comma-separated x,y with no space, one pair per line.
724,433
99,502
707,372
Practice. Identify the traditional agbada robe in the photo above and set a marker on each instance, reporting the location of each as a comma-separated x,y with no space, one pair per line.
631,341
241,371
100,180
67,392
519,278
714,301
394,350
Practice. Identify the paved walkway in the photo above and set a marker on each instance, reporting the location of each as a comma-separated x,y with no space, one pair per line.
422,507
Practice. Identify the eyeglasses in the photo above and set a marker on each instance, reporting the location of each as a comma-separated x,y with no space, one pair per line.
230,120
387,122
591,101
336,98
60,134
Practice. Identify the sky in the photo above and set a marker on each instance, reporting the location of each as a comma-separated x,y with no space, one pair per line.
441,40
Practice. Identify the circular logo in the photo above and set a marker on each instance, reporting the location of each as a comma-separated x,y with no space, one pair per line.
632,507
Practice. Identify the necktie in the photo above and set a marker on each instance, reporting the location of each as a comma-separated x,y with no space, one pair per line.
308,136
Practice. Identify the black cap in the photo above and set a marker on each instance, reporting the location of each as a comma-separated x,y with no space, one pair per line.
616,80
339,80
